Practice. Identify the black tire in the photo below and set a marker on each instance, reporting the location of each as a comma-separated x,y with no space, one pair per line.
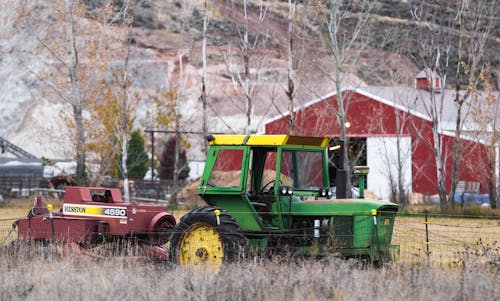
230,242
162,230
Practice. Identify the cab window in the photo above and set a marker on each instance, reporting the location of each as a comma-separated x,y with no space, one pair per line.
227,169
302,169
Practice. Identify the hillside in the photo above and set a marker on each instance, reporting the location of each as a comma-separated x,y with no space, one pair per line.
32,117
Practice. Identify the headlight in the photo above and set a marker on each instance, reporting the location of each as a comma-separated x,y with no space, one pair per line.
284,190
326,192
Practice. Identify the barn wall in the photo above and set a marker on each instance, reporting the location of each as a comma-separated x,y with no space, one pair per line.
423,164
472,166
371,118
473,162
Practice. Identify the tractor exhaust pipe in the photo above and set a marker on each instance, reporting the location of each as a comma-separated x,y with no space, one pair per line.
341,176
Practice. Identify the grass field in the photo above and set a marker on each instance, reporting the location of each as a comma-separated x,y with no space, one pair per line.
449,237
464,265
27,275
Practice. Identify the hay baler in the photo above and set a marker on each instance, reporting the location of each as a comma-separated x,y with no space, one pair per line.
94,215
271,193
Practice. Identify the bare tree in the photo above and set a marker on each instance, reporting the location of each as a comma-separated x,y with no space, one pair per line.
203,95
79,55
347,34
126,106
290,91
183,55
473,17
485,115
464,34
249,81
246,64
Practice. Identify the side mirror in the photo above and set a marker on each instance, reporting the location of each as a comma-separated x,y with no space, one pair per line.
361,171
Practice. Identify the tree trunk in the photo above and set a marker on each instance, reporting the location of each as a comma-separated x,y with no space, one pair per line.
81,175
457,153
291,87
77,100
492,178
246,62
126,192
203,81
124,130
177,130
401,193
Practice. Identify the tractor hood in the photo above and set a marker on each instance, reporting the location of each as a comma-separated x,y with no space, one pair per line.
328,207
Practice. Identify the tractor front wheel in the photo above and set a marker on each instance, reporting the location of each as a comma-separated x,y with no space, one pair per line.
206,236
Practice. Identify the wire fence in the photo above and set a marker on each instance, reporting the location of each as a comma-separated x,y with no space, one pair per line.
421,239
7,232
446,240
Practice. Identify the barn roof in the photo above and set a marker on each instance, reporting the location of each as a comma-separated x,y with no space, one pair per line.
418,102
414,101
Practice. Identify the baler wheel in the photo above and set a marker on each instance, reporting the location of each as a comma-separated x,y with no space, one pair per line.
202,238
162,231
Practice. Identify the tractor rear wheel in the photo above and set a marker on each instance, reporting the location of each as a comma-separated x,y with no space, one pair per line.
206,236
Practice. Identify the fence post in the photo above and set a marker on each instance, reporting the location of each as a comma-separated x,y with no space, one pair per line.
427,237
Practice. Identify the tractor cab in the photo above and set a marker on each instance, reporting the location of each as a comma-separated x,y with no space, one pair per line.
298,175
264,175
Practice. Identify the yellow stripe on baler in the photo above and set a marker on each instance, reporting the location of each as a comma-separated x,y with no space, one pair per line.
94,210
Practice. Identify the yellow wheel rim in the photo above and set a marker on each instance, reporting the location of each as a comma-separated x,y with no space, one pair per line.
201,245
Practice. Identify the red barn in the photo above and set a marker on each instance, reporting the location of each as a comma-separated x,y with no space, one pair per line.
390,118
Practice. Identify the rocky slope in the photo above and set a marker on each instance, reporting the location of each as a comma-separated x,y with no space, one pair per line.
35,119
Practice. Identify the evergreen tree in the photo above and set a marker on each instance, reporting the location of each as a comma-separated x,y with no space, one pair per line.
137,158
167,162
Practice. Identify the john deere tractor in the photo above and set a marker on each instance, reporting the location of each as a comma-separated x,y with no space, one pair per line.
270,193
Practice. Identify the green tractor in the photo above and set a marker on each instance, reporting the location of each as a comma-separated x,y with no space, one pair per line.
270,193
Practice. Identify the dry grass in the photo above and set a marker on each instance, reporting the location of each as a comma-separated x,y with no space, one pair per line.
9,215
34,275
470,271
448,238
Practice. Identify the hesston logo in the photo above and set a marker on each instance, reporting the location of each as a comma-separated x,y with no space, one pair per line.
72,209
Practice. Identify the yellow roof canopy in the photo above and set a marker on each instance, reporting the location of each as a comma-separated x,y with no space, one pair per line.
267,140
